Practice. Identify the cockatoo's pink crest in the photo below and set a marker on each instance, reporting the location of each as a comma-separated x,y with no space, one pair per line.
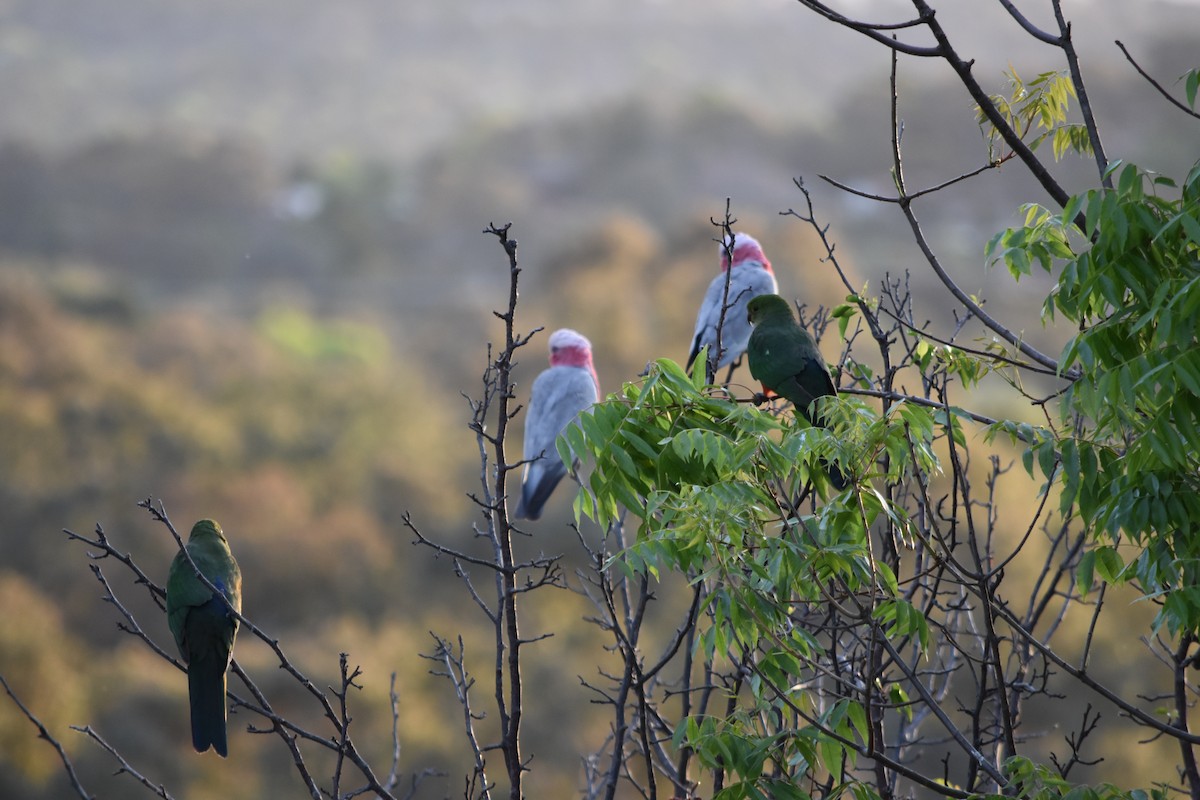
570,348
745,248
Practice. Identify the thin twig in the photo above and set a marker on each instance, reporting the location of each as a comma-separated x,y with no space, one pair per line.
1159,87
44,733
125,767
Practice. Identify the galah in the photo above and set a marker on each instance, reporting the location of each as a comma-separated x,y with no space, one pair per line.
204,628
749,276
558,396
784,358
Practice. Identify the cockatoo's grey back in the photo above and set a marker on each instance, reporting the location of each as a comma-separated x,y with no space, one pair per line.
745,281
558,396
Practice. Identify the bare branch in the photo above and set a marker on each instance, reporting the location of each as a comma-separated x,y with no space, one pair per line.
1085,103
1028,26
157,789
1157,86
44,733
876,30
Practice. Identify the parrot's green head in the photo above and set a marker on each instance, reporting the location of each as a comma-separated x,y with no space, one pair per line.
767,306
206,527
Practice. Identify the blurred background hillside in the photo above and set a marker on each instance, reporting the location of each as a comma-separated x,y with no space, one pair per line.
241,270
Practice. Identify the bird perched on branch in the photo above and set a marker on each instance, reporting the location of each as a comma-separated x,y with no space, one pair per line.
750,275
204,627
784,358
558,396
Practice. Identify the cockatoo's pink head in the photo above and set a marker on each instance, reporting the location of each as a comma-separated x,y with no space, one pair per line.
745,249
570,348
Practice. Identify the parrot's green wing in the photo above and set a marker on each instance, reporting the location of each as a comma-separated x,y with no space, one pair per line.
785,359
184,592
204,628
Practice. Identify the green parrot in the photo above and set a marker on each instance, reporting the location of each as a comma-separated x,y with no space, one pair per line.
784,358
204,628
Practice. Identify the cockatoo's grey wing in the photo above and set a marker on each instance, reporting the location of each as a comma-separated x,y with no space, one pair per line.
745,282
558,396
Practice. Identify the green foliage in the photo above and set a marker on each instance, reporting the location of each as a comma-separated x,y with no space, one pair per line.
1191,82
713,483
935,356
1130,462
1043,238
744,750
659,443
1028,779
1130,282
1038,105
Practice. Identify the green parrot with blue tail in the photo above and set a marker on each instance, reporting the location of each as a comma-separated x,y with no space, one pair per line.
205,628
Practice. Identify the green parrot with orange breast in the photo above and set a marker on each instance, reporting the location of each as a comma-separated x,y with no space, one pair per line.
204,627
784,358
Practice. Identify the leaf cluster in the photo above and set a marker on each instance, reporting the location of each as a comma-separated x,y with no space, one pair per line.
1038,110
1130,281
718,488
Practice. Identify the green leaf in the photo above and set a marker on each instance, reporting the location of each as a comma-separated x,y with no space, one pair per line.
639,444
1072,207
858,718
1047,458
831,757
1191,226
623,461
1128,180
1108,564
844,313
899,698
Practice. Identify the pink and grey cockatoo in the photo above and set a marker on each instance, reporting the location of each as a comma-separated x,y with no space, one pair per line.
558,396
750,276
